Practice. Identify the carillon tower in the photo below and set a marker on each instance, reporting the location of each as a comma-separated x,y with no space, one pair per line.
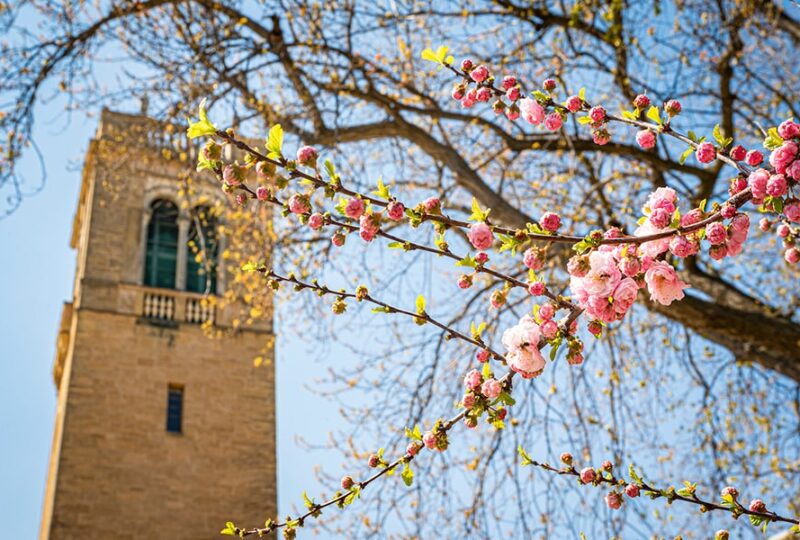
161,432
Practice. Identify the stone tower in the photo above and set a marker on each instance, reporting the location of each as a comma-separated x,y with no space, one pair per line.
161,432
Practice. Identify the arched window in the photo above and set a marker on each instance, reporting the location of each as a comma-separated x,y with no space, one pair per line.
162,245
201,252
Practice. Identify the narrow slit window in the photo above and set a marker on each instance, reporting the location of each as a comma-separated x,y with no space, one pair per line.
174,409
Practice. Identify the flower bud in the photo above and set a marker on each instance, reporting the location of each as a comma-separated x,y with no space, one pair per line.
588,475
632,491
641,102
673,107
361,293
482,257
347,483
483,356
549,85
338,239
536,288
757,505
730,491
614,500
566,458
738,152
464,281
373,460
722,534
607,466
307,156
412,449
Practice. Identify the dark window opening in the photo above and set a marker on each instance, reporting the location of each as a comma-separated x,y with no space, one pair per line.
174,409
162,245
201,252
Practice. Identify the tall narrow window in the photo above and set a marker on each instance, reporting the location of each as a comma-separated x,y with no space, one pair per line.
201,252
174,408
162,245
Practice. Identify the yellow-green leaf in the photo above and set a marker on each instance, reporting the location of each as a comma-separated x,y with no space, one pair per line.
202,127
275,141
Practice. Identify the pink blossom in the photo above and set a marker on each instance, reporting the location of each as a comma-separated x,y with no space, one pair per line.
482,257
632,491
682,246
706,153
781,157
662,197
738,153
601,279
695,215
660,218
595,328
470,98
338,239
464,281
472,379
355,208
457,93
429,440
646,139
482,356
480,235
588,475
468,401
614,500
574,104
553,122
479,74
757,505
531,111
625,295
262,193
512,113
718,252
532,258
549,329
394,210
727,211
764,224
550,221
431,205
788,129
792,211
315,221
549,85
716,233
298,204
522,347
782,230
536,288
754,158
307,155
509,81
737,185
792,255
412,449
740,226
597,114
663,283
513,93
758,183
547,311
491,388
466,64
233,174
483,94
601,137
641,102
369,225
793,170
630,266
673,107
497,299
653,248
578,266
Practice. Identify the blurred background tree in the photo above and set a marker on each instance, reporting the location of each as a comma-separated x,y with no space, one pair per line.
707,390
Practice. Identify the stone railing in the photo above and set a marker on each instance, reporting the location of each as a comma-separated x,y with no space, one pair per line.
171,306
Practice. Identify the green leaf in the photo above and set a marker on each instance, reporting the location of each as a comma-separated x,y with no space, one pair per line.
331,169
634,475
703,205
540,96
582,93
486,371
202,127
420,304
407,474
415,435
439,57
382,191
773,140
506,399
478,214
229,530
468,261
584,120
654,114
395,245
717,134
430,56
554,349
381,309
629,115
249,266
526,460
477,330
275,141
686,154
306,501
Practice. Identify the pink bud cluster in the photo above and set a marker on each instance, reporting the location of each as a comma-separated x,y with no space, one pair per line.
480,392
